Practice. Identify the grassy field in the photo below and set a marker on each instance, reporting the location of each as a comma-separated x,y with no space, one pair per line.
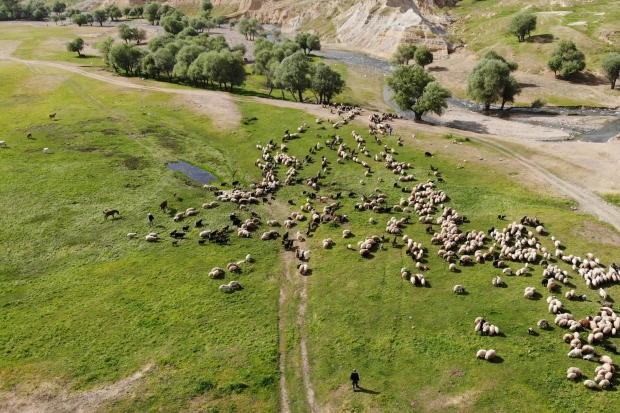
592,25
83,305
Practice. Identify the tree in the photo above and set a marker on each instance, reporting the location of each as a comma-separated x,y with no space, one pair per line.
434,99
219,20
137,10
404,53
59,7
423,56
127,57
100,16
566,59
104,45
164,60
410,83
91,19
76,45
151,12
160,41
139,35
79,19
205,9
511,89
308,42
239,47
611,68
114,13
244,27
490,81
198,23
325,82
124,32
492,54
293,74
126,11
12,7
55,19
172,25
184,59
253,28
522,24
313,43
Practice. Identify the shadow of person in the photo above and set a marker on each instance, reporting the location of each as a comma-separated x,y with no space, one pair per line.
363,390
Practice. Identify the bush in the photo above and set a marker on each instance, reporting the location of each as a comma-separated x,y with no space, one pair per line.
539,103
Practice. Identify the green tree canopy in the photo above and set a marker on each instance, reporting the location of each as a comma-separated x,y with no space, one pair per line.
127,57
490,81
76,45
172,25
59,7
325,82
423,56
293,74
79,19
404,53
492,54
151,12
566,59
114,13
522,24
412,91
611,68
100,16
104,45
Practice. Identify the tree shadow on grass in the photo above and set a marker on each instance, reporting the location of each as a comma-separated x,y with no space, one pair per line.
540,38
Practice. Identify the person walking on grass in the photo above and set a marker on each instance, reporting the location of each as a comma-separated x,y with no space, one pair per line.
151,218
355,378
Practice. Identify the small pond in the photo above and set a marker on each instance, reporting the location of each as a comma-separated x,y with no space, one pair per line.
192,172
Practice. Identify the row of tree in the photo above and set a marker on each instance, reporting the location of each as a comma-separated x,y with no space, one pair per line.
203,61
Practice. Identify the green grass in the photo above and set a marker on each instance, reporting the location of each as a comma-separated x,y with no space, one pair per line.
612,198
84,305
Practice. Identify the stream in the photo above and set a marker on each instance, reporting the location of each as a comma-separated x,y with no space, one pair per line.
608,131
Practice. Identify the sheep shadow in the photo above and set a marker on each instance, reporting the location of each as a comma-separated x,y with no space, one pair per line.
537,296
534,333
497,359
308,273
503,285
456,271
461,293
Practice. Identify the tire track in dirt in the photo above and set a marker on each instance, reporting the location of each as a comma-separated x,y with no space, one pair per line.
299,284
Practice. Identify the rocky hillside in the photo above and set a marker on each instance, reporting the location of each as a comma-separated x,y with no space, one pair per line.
374,26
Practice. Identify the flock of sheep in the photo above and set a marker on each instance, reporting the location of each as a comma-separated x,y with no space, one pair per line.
518,243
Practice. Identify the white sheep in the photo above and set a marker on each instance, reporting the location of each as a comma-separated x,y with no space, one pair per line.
481,354
497,281
225,288
346,233
590,384
459,289
490,355
3,144
248,258
529,292
303,268
452,267
47,150
603,294
132,235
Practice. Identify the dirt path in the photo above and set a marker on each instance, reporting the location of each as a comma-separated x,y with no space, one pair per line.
296,284
50,397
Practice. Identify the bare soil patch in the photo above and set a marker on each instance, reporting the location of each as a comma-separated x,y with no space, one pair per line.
219,107
595,233
54,397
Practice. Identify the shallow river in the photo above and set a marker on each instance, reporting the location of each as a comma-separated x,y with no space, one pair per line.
607,132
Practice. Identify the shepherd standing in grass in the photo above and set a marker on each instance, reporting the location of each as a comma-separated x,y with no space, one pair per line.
355,378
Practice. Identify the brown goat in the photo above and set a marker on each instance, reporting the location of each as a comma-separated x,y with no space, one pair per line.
53,115
111,212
